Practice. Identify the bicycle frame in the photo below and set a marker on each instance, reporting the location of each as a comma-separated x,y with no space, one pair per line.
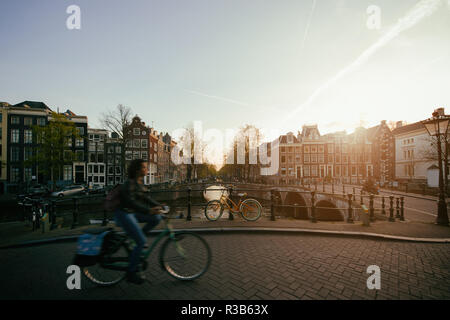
168,231
236,207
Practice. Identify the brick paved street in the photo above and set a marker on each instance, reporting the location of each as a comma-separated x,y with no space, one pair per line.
252,266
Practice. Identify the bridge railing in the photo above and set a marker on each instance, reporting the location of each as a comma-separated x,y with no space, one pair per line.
389,204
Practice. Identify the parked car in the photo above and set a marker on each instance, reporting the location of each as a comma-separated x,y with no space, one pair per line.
96,190
38,190
69,191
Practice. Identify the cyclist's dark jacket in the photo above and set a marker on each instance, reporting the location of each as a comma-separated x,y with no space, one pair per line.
134,198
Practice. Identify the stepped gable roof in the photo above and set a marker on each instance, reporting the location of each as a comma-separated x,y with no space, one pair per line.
33,105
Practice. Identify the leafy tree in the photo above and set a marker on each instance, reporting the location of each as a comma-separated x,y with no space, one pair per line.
54,146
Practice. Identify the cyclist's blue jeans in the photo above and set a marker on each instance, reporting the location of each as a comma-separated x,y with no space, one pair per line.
129,223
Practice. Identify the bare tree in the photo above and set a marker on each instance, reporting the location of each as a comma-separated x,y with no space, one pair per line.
117,120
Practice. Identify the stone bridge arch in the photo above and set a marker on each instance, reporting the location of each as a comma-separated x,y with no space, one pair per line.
296,198
327,210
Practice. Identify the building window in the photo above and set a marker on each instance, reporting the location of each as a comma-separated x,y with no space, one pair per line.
110,149
306,149
80,155
92,158
321,158
118,149
27,121
110,170
136,143
314,171
283,171
283,159
110,181
136,131
41,122
144,155
79,142
306,172
330,148
321,149
353,171
337,171
68,173
313,149
136,155
27,173
27,154
15,120
80,131
15,154
314,158
15,136
15,174
144,143
100,157
118,170
306,158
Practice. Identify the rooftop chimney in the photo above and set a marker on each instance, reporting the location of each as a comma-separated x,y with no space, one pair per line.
399,124
440,111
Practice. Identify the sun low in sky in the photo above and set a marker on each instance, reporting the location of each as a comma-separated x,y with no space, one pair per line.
275,64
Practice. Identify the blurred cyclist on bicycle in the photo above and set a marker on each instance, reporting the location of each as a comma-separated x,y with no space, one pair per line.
136,206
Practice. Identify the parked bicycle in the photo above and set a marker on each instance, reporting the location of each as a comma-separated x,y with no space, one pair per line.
39,207
184,255
249,209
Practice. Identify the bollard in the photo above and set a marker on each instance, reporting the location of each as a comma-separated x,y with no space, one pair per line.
402,209
75,213
391,209
189,217
397,216
361,197
350,210
230,216
383,207
371,209
313,207
332,188
272,209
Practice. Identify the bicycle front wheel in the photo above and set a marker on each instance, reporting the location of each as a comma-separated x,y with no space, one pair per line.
186,256
250,209
110,270
213,210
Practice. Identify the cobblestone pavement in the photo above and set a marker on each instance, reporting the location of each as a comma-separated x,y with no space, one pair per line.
251,266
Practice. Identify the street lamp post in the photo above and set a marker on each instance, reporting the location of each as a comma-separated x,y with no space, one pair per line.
437,126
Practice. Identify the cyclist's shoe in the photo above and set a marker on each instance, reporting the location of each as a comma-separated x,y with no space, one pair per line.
134,277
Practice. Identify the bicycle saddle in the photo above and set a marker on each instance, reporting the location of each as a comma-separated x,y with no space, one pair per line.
242,194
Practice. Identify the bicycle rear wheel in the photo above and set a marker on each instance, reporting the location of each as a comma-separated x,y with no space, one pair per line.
250,209
213,210
186,256
110,270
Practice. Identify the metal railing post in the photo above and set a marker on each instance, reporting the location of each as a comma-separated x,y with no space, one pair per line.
371,209
361,197
313,207
272,208
323,185
402,209
350,209
343,189
53,210
391,209
230,215
75,213
397,216
105,218
383,207
189,217
332,187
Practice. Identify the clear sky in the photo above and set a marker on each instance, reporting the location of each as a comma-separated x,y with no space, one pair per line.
273,63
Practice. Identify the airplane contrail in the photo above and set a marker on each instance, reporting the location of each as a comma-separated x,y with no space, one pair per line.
421,10
309,22
218,98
